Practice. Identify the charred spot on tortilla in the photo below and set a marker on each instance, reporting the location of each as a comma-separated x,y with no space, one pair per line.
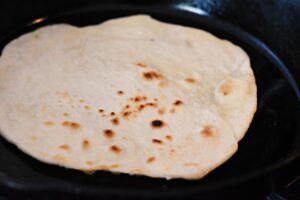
151,159
115,121
120,92
157,141
157,123
152,75
169,137
115,149
71,125
177,103
112,114
108,133
101,110
141,107
85,144
208,131
137,99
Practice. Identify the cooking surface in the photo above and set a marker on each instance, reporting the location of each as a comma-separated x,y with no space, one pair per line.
283,42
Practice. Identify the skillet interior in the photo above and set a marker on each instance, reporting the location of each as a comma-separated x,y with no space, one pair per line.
270,142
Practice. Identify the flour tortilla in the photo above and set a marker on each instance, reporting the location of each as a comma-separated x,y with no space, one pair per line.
131,95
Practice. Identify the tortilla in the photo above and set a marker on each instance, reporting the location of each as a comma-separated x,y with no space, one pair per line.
131,95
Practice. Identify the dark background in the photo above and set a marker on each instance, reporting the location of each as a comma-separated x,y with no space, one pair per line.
276,22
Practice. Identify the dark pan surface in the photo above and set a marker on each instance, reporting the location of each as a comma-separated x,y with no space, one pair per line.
271,141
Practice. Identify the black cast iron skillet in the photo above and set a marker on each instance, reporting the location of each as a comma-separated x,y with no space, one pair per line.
271,142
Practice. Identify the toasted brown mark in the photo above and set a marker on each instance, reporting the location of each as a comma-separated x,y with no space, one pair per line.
112,113
189,43
139,98
102,167
161,111
120,92
157,123
151,159
191,164
114,166
87,107
126,114
138,171
64,147
208,131
226,88
81,100
141,107
190,80
33,138
115,121
108,133
101,110
151,104
89,163
72,125
115,149
173,110
177,103
48,123
141,65
66,114
169,137
151,75
161,84
85,143
157,141
59,158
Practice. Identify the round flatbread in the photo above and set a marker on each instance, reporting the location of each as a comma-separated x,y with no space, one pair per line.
131,95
